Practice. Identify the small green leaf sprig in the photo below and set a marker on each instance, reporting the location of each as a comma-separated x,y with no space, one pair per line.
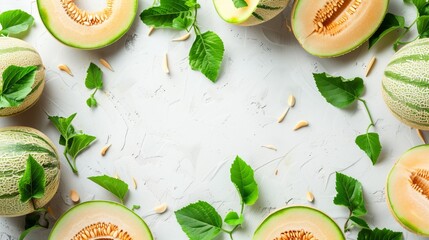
200,220
394,22
15,22
350,195
115,186
93,81
207,51
74,142
342,93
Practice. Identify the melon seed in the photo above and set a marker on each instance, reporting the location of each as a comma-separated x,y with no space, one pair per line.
106,64
291,103
134,183
296,235
369,66
65,68
300,125
310,197
182,38
84,18
74,196
419,180
421,136
165,64
150,30
105,149
102,230
161,208
271,147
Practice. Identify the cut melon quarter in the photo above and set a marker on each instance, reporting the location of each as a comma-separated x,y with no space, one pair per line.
102,220
82,29
256,12
408,190
329,28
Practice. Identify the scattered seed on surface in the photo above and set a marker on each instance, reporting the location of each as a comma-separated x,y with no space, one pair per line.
105,149
66,69
277,172
161,208
291,103
182,38
300,125
165,64
150,30
369,66
74,196
134,183
105,63
271,147
421,136
310,197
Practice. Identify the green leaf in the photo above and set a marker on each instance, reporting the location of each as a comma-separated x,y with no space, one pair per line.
206,54
135,207
63,125
116,186
242,176
423,26
32,183
169,14
390,23
350,194
28,230
78,143
419,4
233,219
17,85
94,77
377,234
15,22
91,102
199,221
338,91
32,222
240,3
359,222
370,144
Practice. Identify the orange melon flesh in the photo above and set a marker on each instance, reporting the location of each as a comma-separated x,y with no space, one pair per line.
409,206
347,35
68,31
298,218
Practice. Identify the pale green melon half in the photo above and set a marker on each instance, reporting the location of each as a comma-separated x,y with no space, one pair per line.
88,213
257,11
73,34
405,84
298,218
16,144
14,51
409,206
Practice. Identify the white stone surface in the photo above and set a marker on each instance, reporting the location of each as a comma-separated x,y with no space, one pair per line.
178,134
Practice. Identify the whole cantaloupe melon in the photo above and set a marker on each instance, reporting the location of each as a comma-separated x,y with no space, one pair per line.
16,144
405,84
19,53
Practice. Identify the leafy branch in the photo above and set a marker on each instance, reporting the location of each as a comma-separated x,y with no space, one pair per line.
207,51
200,220
342,93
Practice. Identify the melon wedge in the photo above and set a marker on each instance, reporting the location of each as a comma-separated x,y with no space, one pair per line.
101,220
79,28
330,28
408,190
256,12
303,221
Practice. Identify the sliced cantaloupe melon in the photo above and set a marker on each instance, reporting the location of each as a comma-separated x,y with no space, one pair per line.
298,222
329,28
96,220
408,190
76,27
256,12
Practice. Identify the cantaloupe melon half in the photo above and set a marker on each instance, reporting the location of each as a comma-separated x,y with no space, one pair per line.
329,28
77,27
97,220
256,12
298,222
408,190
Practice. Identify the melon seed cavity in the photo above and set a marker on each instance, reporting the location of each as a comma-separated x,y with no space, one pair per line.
102,230
419,180
87,18
296,235
332,18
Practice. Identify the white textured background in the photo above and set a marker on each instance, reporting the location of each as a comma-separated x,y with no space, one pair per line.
178,134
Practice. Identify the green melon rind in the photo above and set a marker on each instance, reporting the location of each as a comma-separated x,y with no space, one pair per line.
264,11
45,19
404,223
84,204
43,151
304,208
405,85
295,8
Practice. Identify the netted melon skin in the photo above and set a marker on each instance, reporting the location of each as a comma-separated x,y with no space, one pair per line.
261,14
